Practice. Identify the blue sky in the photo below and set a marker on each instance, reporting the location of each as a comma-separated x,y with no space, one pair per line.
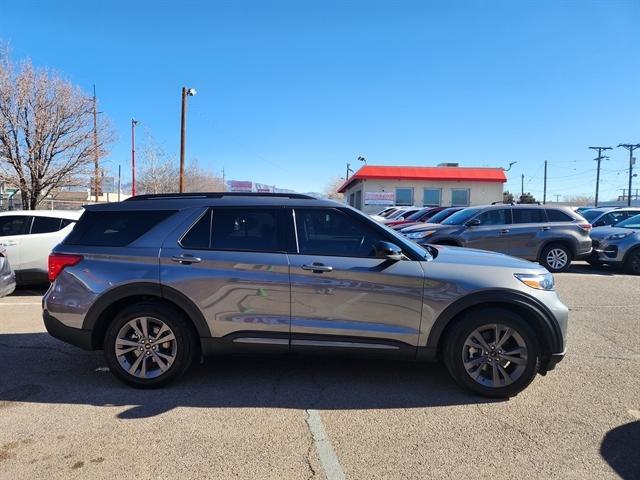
288,92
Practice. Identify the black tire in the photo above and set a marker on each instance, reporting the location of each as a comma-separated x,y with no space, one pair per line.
632,262
555,247
455,350
185,344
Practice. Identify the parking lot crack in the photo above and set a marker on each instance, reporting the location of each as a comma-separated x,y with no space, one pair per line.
506,424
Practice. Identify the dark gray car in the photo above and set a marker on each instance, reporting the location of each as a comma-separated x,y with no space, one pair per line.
156,281
552,236
619,245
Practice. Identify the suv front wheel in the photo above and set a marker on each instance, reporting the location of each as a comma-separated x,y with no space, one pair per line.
492,352
556,257
148,345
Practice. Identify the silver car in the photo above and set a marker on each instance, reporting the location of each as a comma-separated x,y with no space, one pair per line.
7,277
157,281
619,245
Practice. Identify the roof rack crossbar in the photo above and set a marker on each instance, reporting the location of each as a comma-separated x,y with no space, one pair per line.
167,196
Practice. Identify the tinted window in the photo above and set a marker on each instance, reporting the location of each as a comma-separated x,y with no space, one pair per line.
459,197
528,215
114,229
65,222
558,216
329,231
12,225
431,197
440,216
45,225
493,217
633,222
591,215
404,196
245,229
611,218
199,236
414,217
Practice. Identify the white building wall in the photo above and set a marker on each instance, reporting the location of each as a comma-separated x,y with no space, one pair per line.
481,193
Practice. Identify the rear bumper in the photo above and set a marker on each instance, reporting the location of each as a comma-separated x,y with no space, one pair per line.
74,336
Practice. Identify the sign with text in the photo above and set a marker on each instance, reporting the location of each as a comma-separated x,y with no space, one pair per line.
379,198
240,186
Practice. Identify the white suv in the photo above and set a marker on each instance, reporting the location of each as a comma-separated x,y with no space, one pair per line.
29,236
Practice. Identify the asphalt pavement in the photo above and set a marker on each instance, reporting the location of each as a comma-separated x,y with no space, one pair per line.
63,415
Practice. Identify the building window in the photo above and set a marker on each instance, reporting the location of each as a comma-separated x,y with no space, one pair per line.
359,199
431,197
352,199
404,196
459,197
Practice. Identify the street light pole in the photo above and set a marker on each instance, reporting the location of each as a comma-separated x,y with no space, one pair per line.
186,92
133,157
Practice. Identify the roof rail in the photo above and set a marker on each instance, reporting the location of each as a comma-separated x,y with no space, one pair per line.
184,196
502,203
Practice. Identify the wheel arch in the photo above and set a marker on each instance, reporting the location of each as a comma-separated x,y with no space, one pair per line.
108,304
546,328
564,241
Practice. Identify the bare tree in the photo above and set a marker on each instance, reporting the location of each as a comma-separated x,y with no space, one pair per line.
331,189
579,200
159,173
46,131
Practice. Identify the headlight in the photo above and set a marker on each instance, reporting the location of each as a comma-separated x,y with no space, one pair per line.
539,281
415,235
617,236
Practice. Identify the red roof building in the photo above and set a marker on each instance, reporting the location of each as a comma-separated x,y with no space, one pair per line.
373,186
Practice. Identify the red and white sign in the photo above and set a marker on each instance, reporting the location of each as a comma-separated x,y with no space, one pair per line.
379,198
240,186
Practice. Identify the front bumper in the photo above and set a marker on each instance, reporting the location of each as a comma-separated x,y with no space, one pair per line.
554,359
74,336
607,252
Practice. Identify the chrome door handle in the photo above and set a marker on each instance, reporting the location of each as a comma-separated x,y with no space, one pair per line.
544,229
9,244
506,230
186,259
317,268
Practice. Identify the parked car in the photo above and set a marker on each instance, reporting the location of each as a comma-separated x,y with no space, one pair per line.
436,218
401,214
380,216
7,277
619,245
421,215
30,235
158,280
608,217
552,236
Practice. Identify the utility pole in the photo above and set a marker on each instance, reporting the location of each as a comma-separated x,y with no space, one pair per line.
119,179
522,187
557,198
133,157
544,195
224,184
96,156
348,170
631,147
599,159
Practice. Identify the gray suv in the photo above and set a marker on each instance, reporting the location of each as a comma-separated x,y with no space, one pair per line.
552,236
158,281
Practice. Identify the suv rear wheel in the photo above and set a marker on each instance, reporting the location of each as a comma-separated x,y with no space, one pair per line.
556,257
632,263
148,345
492,352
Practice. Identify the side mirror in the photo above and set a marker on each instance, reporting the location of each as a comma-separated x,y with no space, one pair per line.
388,251
474,222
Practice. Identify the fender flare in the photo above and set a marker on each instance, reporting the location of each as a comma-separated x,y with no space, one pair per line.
146,288
535,309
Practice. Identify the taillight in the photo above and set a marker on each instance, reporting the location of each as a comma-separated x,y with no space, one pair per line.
58,262
585,226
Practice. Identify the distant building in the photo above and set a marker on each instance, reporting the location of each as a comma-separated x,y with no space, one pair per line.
374,186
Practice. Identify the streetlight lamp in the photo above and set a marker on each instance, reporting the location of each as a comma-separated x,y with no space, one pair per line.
186,92
362,159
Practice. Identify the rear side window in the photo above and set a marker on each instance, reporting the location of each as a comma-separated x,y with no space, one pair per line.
114,229
45,225
245,229
199,236
528,215
493,217
13,225
558,216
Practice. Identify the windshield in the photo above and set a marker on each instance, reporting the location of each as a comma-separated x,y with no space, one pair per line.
460,217
414,217
632,222
440,216
591,215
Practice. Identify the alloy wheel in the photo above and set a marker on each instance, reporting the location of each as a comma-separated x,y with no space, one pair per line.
146,347
557,258
494,355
